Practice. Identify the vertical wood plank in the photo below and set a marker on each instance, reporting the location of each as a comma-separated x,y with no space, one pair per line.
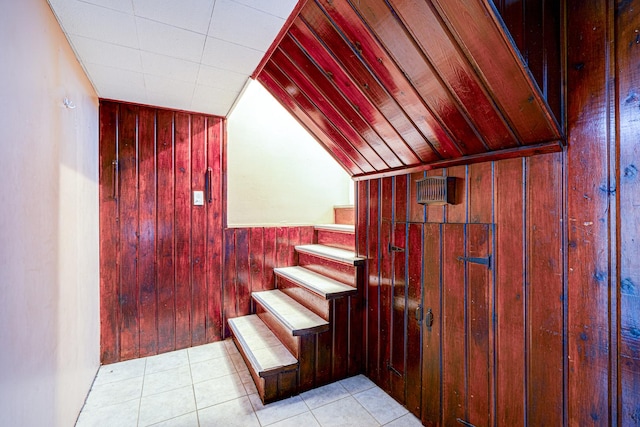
214,130
417,212
480,193
432,336
457,213
400,203
510,293
282,247
628,56
270,250
128,207
454,366
386,278
480,369
198,234
147,247
166,233
256,259
294,240
182,206
307,234
340,357
545,292
397,342
591,193
373,282
109,330
243,286
435,213
414,256
230,293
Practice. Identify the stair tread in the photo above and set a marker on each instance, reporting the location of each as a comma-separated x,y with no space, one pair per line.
337,254
266,353
324,286
296,317
345,228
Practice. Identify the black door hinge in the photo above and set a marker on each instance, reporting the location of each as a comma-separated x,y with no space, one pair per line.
395,248
394,370
482,261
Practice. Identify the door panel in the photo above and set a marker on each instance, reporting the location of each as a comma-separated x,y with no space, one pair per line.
457,347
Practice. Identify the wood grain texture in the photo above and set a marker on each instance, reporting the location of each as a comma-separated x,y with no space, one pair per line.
413,353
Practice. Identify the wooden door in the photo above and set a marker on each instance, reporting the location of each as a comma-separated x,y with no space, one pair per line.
457,331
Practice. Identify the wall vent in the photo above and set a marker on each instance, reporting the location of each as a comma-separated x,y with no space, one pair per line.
436,190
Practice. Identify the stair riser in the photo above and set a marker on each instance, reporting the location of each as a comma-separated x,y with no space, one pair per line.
282,332
332,269
313,302
344,215
336,239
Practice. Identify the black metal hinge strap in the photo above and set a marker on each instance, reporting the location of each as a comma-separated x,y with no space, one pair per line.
395,248
394,370
482,261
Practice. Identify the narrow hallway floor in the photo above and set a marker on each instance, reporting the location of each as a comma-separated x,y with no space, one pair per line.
210,385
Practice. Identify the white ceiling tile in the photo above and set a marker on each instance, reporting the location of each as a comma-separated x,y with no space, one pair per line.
280,8
169,100
257,31
99,52
232,57
167,66
115,83
193,15
221,79
212,100
121,5
170,41
96,22
175,88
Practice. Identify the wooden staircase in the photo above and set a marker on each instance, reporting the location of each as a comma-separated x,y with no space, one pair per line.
307,332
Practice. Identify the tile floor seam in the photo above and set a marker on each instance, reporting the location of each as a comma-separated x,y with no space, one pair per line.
144,375
193,389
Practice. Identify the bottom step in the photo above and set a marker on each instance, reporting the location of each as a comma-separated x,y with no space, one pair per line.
273,368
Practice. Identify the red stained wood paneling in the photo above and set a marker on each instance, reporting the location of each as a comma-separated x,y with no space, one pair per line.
397,343
269,257
214,132
128,220
256,259
458,212
182,206
628,57
373,280
165,281
230,292
147,241
165,233
198,233
243,282
590,193
413,353
109,337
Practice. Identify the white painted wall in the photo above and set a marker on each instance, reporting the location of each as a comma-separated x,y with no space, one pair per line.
49,271
277,173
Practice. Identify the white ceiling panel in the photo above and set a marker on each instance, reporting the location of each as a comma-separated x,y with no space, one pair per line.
169,67
192,15
125,6
218,101
170,41
98,23
279,8
185,54
221,79
103,53
258,28
229,56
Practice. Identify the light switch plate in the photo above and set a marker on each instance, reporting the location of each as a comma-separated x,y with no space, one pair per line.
198,198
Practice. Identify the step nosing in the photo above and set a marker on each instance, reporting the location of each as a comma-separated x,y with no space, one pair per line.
311,322
330,252
315,282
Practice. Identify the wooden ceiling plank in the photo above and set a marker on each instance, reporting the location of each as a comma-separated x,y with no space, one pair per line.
303,36
418,72
479,31
307,77
315,74
310,107
452,67
307,122
421,144
378,62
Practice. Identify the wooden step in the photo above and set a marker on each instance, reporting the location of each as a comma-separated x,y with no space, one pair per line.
273,368
336,235
344,214
342,256
316,283
298,319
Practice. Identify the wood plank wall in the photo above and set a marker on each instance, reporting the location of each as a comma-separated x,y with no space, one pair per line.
171,274
565,303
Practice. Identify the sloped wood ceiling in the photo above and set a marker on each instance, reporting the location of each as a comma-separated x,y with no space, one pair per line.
397,85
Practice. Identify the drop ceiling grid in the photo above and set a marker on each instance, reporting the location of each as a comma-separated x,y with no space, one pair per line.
189,54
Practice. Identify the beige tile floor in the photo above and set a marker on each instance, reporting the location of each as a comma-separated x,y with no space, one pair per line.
210,385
